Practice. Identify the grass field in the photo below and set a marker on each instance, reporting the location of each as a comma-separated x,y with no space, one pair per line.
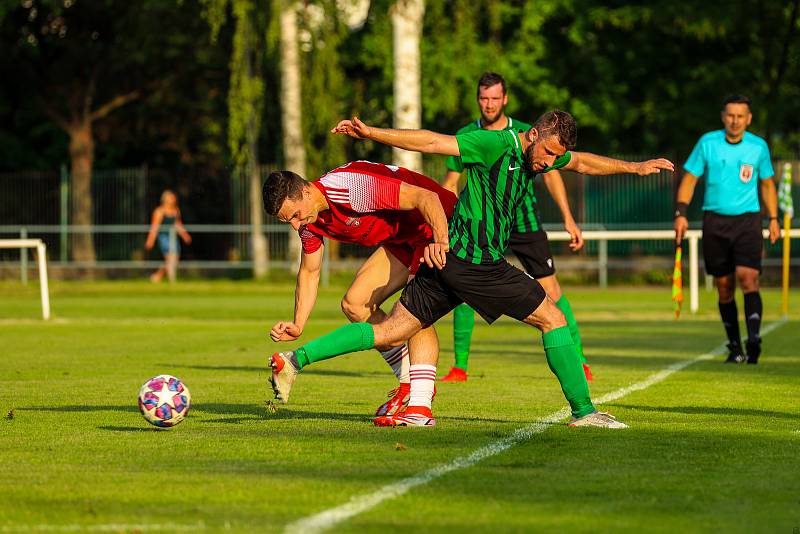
712,447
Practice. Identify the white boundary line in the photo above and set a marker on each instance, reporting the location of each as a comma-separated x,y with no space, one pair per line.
361,503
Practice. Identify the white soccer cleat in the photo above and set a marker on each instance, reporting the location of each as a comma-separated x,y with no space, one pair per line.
283,375
601,419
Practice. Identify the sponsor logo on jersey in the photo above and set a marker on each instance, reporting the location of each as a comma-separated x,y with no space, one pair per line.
352,221
745,172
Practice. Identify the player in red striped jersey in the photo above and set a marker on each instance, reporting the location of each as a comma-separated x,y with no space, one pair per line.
402,212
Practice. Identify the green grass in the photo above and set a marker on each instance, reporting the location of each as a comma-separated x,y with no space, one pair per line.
712,448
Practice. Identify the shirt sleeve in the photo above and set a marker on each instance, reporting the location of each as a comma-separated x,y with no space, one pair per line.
696,163
454,164
311,242
765,170
483,146
362,192
560,162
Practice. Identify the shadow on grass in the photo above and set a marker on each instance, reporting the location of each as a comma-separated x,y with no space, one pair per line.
81,408
710,410
131,429
250,368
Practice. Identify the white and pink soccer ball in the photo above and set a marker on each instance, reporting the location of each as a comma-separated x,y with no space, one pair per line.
164,400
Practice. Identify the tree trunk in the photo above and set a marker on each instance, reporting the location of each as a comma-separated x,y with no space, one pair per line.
81,153
257,240
407,18
294,151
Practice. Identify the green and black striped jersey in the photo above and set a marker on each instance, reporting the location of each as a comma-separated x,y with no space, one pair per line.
496,185
455,164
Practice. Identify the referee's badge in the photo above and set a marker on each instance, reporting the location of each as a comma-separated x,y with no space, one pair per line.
745,172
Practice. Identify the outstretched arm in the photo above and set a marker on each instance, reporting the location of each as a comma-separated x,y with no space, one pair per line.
555,186
424,141
305,296
592,164
429,205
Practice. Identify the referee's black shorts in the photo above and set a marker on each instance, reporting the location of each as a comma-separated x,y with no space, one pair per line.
533,250
491,289
730,241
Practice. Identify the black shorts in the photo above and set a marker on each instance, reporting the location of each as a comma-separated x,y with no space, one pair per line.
490,289
730,241
533,250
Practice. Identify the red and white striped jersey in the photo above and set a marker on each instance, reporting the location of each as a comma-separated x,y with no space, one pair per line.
363,201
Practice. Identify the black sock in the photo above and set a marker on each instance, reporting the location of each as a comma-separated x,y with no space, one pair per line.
730,320
753,309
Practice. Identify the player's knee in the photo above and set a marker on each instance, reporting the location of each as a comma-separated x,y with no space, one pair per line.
357,312
547,316
386,338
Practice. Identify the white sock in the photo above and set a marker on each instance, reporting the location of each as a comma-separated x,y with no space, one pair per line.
423,378
398,360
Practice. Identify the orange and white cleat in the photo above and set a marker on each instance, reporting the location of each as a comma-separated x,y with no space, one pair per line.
283,375
456,374
398,400
412,416
587,372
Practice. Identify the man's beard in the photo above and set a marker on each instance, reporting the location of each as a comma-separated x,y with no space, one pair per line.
527,158
487,119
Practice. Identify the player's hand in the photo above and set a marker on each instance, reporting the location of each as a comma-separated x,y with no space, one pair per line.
187,239
149,245
353,127
435,255
654,166
285,331
681,224
575,234
774,231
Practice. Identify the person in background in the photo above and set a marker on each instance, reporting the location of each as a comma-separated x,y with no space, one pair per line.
165,216
736,165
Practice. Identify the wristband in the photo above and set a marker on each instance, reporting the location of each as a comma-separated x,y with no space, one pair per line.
773,218
680,209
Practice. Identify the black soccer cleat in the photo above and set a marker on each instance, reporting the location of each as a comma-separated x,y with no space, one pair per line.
736,355
753,350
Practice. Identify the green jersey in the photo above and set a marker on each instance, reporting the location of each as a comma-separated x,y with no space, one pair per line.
455,164
496,184
526,218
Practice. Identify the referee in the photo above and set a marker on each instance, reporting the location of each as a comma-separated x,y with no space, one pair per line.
733,161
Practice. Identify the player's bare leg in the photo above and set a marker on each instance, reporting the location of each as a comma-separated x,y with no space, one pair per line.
553,290
380,277
424,354
565,364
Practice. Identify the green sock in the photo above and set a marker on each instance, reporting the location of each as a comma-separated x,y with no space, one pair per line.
349,338
566,309
463,324
565,364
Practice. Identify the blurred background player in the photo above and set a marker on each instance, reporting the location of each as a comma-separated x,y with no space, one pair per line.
166,216
370,204
735,164
528,239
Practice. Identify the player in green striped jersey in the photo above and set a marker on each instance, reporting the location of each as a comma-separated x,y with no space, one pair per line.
528,240
474,269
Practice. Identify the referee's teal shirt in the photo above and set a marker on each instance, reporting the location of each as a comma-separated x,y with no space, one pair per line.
731,171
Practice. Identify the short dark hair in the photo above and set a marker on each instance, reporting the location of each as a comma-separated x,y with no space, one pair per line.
279,186
489,79
735,99
558,123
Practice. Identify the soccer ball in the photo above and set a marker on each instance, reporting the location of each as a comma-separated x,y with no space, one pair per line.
164,400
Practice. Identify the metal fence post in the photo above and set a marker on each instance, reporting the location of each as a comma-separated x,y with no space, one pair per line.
693,274
172,257
602,262
62,252
23,258
326,267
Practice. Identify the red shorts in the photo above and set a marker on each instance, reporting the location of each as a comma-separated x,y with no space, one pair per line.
409,254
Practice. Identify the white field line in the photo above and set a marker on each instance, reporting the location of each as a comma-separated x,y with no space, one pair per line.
328,519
